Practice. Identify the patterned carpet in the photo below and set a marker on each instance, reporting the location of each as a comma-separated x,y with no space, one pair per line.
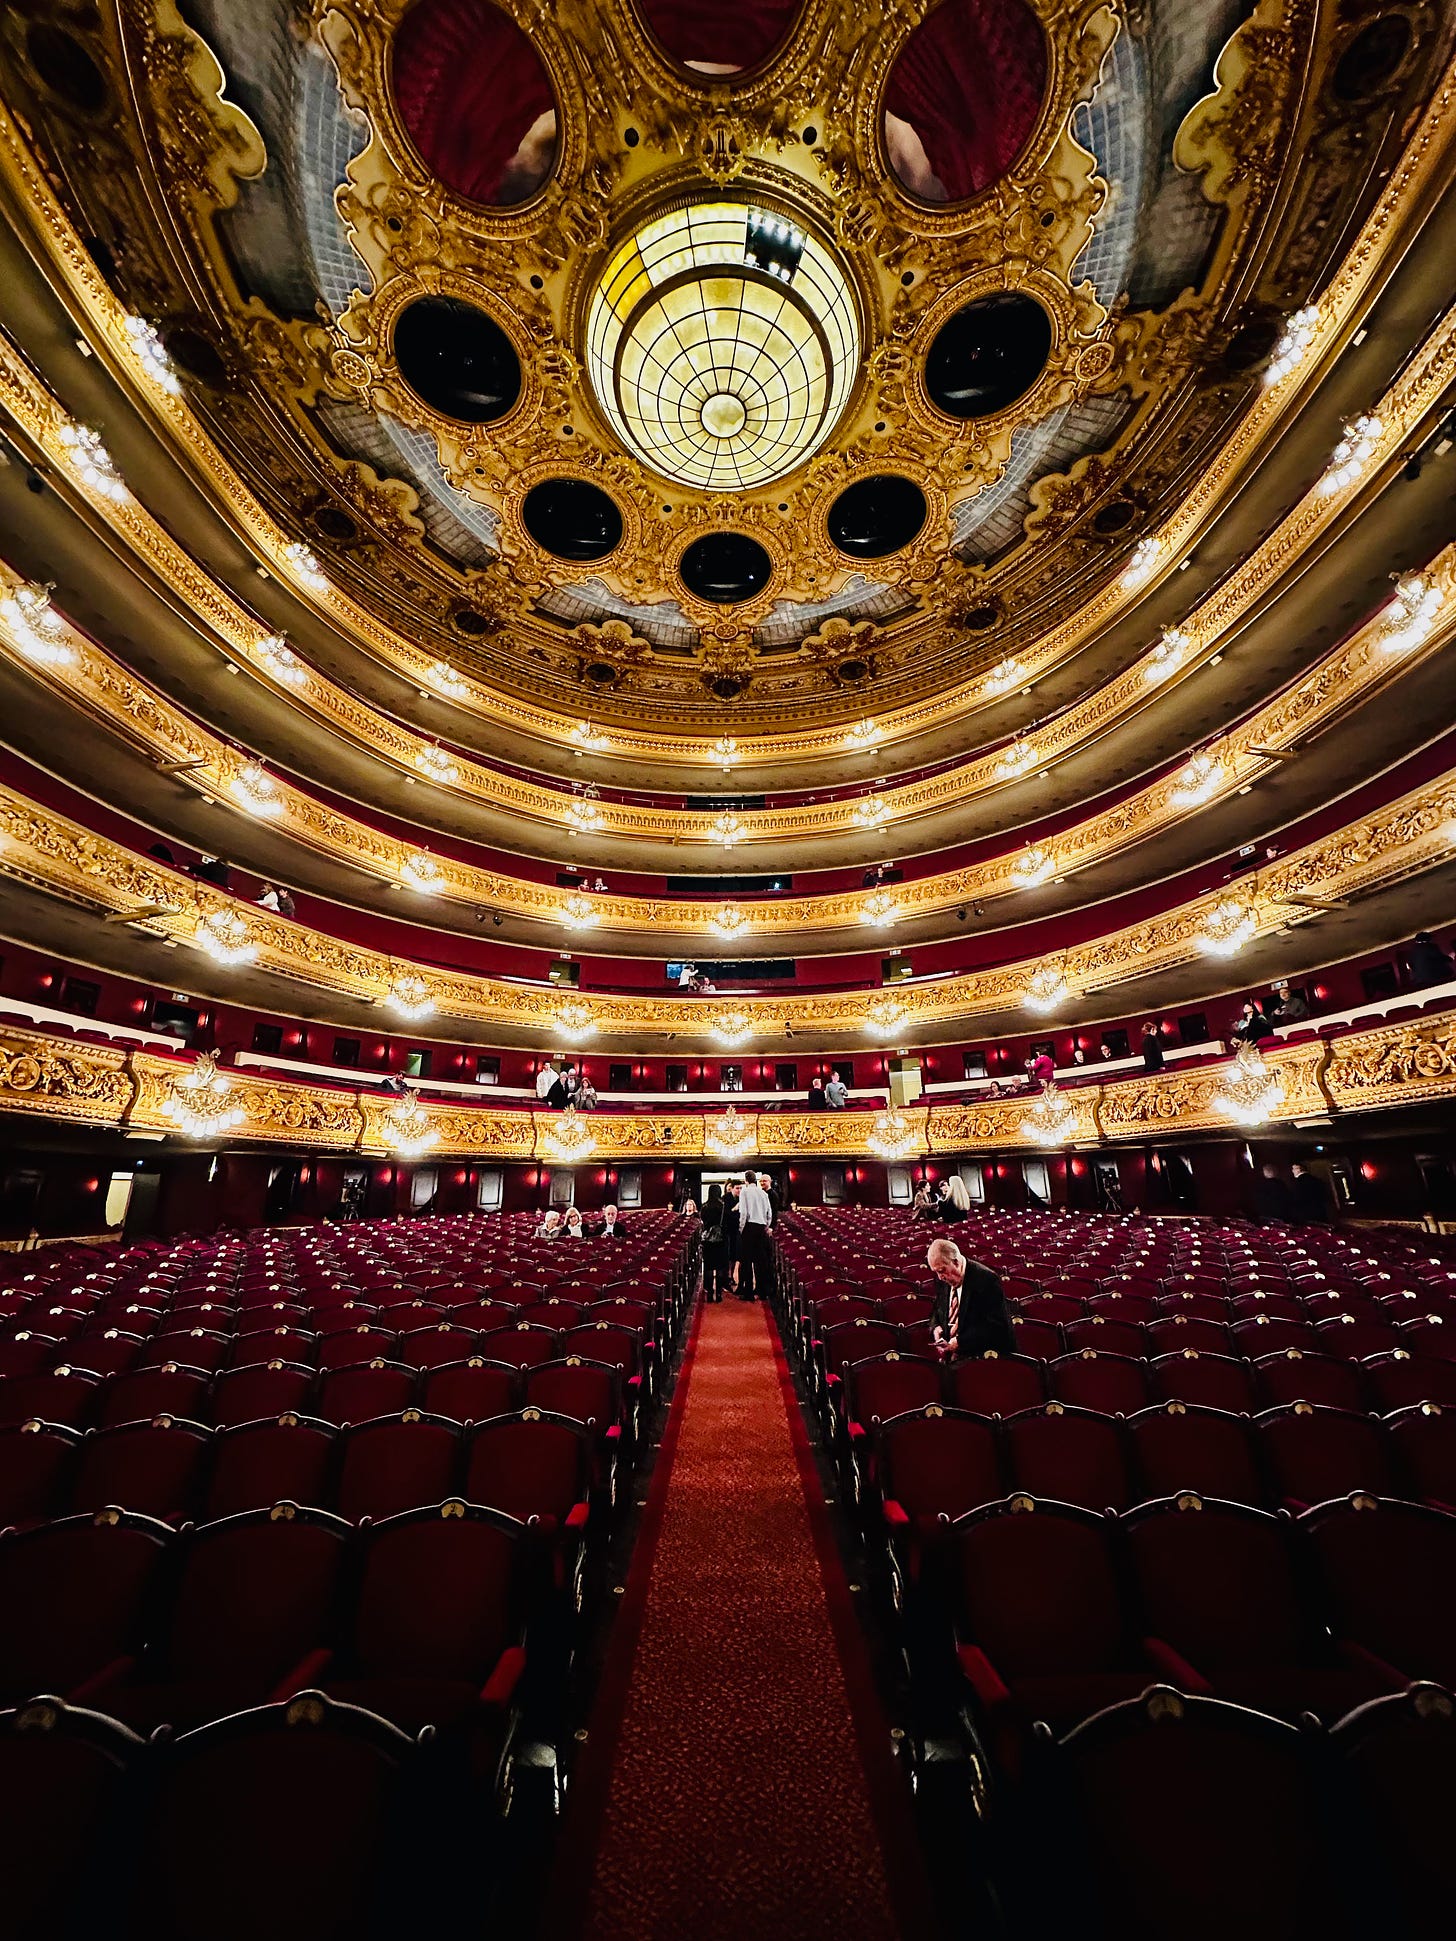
743,1781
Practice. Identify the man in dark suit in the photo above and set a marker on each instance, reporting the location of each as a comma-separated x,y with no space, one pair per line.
970,1316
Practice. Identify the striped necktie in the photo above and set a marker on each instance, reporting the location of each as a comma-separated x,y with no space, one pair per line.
953,1314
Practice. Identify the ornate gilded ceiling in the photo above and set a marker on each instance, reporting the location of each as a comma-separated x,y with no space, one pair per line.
1061,237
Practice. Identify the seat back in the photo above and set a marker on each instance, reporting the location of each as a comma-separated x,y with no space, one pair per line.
1089,1379
1177,1447
366,1391
36,1463
73,1598
530,1465
399,1462
939,1463
997,1384
259,1464
254,1595
153,1468
1068,1456
65,1777
890,1385
1215,1581
437,1595
473,1390
1388,1572
1424,1441
263,1389
1314,1454
1039,1591
587,1391
1397,1758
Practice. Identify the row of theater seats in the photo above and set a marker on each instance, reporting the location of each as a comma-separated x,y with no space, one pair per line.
1063,1528
297,1635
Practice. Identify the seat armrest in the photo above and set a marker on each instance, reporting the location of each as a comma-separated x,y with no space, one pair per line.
577,1515
101,1681
895,1514
500,1687
1173,1666
982,1676
308,1671
1362,1659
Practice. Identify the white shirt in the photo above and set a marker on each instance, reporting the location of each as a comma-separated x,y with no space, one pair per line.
545,1079
755,1208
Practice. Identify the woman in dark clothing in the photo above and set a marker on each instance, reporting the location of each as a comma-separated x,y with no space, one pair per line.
717,1260
1152,1048
1426,963
731,1231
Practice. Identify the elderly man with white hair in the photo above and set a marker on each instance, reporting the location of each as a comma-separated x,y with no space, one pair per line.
970,1316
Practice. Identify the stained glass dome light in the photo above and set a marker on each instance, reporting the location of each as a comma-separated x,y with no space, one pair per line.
722,344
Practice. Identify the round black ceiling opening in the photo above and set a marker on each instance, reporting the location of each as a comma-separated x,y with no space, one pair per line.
572,519
457,359
725,567
988,355
876,516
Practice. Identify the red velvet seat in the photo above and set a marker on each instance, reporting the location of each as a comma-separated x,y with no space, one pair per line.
589,1392
359,1394
1400,1380
207,1348
472,1390
65,1783
397,1463
436,1628
1353,1339
1045,1634
1106,1336
1432,1334
74,1603
363,1342
1396,1758
934,1465
262,1463
67,1395
29,1353
888,1385
1178,1447
248,1621
1068,1456
149,1392
521,1345
997,1384
37,1460
1187,1304
1110,1384
152,1468
1184,1334
1423,1440
1210,1381
275,1344
267,1388
1314,1454
1388,1572
1194,1819
1293,1376
1220,1602
1037,1340
214,1867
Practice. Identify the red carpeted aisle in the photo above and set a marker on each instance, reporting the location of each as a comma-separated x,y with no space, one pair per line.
739,1780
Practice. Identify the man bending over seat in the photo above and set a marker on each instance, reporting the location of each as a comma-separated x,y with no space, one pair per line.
970,1316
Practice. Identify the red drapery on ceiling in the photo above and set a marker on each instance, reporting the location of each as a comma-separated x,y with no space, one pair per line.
970,82
469,85
728,33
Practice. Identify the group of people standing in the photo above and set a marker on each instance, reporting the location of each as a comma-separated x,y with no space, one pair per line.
948,1201
562,1085
737,1238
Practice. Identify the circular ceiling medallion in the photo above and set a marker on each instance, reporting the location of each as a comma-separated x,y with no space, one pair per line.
722,343
988,355
876,516
457,359
725,567
572,519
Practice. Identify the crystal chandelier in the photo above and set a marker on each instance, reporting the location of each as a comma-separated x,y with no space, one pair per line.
92,463
1019,757
434,762
1046,988
1226,928
1293,345
574,1021
256,790
444,680
409,994
1248,1092
730,1135
864,734
1141,563
732,1028
586,736
728,920
281,661
406,1126
201,1103
35,625
892,1136
226,938
879,908
1197,780
724,751
578,912
152,355
305,564
871,813
1409,618
423,873
727,830
885,1016
1033,868
1169,654
1004,676
1050,1119
1353,453
571,1138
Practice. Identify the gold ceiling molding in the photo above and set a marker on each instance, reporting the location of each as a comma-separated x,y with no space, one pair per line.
1417,391
57,854
1222,124
90,678
1393,1065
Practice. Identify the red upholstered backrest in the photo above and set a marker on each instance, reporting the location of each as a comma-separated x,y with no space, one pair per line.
397,1464
263,1463
435,1599
1389,1576
528,1468
586,1391
62,1777
997,1384
1298,1377
150,1392
1040,1593
1069,1456
1177,1447
1316,1453
470,1391
940,1465
1424,1440
68,1397
891,1384
35,1466
152,1468
1217,1583
1089,1379
254,1596
248,1394
72,1598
